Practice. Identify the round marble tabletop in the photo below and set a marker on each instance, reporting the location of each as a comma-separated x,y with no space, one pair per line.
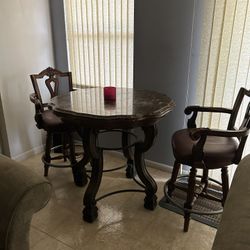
132,108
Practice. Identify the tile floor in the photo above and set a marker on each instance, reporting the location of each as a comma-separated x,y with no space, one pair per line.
123,223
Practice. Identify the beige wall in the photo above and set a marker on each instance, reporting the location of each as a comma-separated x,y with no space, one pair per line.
25,48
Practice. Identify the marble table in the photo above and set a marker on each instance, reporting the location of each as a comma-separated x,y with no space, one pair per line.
87,110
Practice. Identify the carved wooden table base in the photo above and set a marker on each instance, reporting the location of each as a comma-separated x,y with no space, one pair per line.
86,110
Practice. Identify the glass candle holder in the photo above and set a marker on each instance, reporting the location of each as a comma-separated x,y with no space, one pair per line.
109,93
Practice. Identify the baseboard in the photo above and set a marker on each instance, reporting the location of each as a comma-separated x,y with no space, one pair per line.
40,149
159,165
153,164
28,153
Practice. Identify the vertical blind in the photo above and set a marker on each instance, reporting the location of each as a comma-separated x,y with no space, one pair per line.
224,58
100,35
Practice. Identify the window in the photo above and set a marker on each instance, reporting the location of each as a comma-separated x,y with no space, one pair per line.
224,56
100,36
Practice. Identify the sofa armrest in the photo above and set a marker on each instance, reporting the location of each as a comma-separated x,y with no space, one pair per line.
234,228
22,193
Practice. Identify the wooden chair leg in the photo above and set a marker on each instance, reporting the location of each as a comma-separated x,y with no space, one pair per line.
204,179
64,146
72,154
225,185
171,183
47,156
190,197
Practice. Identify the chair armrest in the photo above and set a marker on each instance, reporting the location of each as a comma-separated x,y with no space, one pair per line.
39,108
188,110
196,133
22,193
195,109
36,101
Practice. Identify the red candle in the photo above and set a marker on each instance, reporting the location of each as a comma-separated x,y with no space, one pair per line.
109,93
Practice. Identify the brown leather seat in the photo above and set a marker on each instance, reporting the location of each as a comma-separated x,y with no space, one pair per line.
204,148
218,151
53,122
46,119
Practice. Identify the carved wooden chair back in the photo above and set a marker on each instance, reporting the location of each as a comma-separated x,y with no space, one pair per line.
244,122
234,114
235,110
52,81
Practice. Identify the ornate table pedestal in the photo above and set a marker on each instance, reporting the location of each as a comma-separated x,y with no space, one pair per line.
90,114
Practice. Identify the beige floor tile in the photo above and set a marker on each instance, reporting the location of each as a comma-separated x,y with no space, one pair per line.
111,240
122,222
41,241
36,236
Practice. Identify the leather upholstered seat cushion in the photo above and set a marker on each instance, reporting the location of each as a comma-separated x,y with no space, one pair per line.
52,122
218,151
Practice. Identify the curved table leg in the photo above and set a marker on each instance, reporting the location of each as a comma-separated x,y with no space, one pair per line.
128,153
78,169
150,201
96,155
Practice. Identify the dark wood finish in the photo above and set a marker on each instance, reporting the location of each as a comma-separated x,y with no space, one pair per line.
204,179
128,153
47,152
225,184
96,159
150,133
199,138
52,76
79,171
133,108
195,109
190,197
51,79
175,172
89,113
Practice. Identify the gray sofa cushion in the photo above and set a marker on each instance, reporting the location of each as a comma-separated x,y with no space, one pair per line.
234,229
22,193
